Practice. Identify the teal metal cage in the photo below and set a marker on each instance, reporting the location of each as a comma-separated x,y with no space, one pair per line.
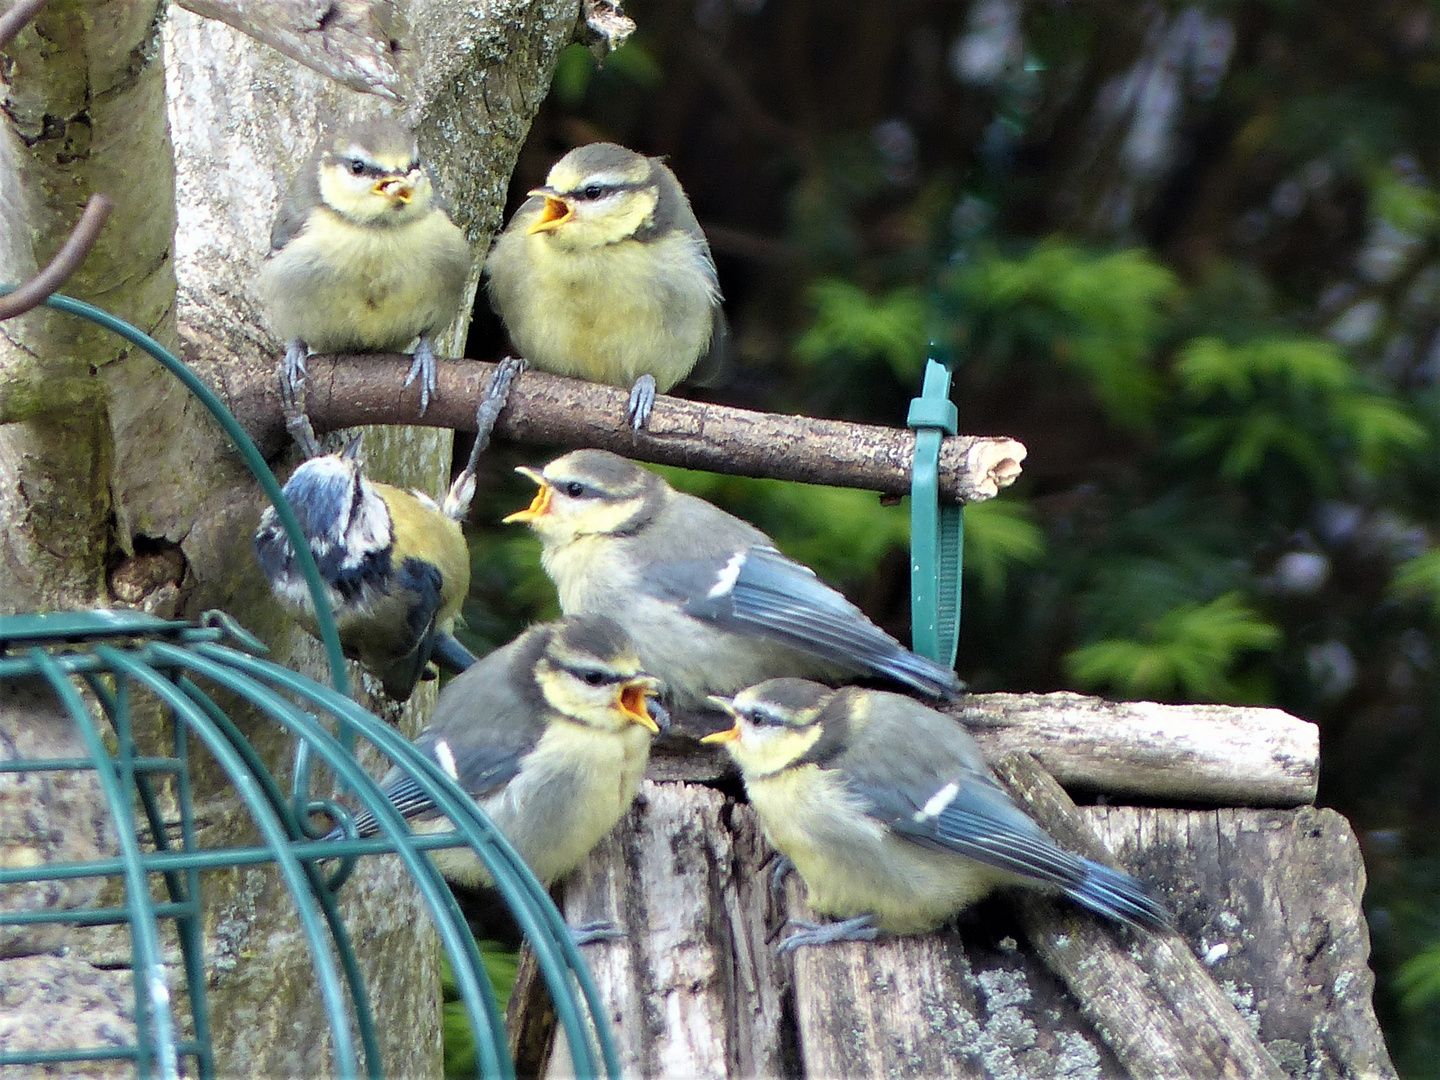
120,657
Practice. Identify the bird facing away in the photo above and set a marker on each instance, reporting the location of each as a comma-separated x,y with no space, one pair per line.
549,735
395,565
713,607
363,256
604,274
887,810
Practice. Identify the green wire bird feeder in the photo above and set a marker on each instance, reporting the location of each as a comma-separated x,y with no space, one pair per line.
103,670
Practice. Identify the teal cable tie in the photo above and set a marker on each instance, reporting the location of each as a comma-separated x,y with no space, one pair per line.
936,528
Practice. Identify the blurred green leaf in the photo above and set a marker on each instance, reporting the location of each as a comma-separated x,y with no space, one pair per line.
1208,365
1101,314
1419,578
1190,651
1418,979
849,322
1000,533
457,1038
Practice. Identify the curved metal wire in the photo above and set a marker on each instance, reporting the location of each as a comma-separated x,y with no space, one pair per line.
555,951
254,460
152,993
283,823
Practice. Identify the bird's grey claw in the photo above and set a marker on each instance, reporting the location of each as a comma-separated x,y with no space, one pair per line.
642,401
782,867
295,352
291,381
423,367
860,928
496,394
599,930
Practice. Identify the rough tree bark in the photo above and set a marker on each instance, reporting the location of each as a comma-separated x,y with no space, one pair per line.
115,487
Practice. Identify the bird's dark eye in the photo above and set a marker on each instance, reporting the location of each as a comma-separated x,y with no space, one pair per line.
574,489
357,167
594,678
761,718
592,191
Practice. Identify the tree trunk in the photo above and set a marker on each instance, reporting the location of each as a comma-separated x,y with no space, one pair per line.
116,487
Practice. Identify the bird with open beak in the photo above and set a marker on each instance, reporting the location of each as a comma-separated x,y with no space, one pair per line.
711,603
889,813
604,274
549,735
363,256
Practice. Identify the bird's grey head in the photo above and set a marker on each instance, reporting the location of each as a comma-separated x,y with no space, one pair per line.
777,724
591,492
601,194
370,173
340,512
589,672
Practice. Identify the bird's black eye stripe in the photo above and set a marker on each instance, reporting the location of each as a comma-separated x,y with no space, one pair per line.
592,191
762,718
594,676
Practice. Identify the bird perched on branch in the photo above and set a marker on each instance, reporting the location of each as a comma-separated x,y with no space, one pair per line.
363,256
604,274
712,605
394,563
549,734
887,810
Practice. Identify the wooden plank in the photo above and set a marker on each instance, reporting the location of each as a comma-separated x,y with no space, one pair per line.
1216,755
1269,900
1147,995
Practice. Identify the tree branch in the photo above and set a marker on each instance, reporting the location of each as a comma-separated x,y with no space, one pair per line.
348,391
354,42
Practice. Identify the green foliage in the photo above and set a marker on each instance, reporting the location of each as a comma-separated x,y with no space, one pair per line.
1418,979
1100,314
1419,577
501,963
576,67
1189,653
848,323
1289,397
1000,534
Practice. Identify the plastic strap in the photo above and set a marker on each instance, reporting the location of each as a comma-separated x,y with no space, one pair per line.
937,531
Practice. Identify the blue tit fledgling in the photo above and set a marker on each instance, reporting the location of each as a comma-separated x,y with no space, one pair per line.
888,812
550,735
604,274
395,565
712,605
363,256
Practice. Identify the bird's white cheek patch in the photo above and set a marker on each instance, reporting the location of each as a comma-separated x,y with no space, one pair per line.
729,574
938,802
447,760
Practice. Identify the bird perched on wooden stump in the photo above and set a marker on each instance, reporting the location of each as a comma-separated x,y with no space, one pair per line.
549,735
363,256
604,274
711,603
888,812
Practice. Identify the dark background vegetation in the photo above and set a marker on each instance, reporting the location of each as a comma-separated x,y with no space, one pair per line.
1190,256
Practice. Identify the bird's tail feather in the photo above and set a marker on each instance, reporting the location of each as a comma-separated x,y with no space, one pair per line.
1120,897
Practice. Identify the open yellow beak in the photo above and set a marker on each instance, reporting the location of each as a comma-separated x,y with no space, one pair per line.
539,506
633,701
399,189
556,213
729,734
